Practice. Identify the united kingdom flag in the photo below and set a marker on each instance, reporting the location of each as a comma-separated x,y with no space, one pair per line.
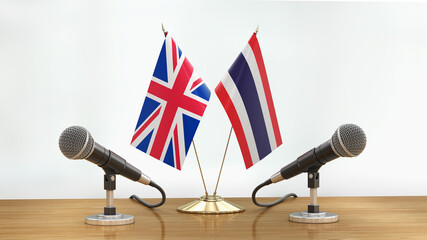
176,100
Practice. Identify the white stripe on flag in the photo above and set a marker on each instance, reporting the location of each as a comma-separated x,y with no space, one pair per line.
155,124
169,61
170,136
181,145
146,131
251,60
237,101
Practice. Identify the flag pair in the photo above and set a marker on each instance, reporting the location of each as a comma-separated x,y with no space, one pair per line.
177,98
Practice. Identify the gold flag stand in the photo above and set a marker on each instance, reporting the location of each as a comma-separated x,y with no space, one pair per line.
210,204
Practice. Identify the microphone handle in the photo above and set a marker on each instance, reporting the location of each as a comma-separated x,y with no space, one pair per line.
108,159
325,152
300,165
312,159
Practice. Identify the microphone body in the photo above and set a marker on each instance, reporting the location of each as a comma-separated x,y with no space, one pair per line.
349,140
311,160
108,159
76,143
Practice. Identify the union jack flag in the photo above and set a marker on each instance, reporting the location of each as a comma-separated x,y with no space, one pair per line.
176,100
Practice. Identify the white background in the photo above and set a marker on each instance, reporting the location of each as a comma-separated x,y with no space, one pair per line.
88,63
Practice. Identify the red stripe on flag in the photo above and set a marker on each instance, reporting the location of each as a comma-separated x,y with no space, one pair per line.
235,122
174,96
136,135
175,99
195,83
176,147
174,54
253,42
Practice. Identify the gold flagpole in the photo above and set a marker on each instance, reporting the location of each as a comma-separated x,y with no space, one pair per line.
223,158
164,31
212,204
194,145
226,147
201,173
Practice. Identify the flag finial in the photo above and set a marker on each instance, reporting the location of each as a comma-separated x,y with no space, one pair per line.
257,29
164,31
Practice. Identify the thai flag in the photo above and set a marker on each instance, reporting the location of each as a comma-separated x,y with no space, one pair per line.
245,94
176,100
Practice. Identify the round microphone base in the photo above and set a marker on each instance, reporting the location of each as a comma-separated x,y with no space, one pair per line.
320,217
210,205
110,220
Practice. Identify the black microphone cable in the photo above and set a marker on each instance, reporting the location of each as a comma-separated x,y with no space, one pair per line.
268,182
154,185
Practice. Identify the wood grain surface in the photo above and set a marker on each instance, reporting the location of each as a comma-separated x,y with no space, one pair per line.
359,218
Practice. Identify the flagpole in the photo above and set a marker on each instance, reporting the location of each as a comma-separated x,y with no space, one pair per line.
194,145
201,173
226,147
164,31
210,204
223,159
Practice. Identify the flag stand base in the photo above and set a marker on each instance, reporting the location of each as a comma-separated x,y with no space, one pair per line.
210,205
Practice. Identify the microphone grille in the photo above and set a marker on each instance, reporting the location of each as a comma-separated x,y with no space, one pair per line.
76,142
349,140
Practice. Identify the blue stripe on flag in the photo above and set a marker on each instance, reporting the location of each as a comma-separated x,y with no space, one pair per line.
190,126
169,157
161,71
147,109
203,92
143,145
179,52
242,77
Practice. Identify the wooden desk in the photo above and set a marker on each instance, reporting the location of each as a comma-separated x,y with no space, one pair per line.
360,218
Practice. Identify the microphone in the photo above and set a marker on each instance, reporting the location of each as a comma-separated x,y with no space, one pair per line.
77,143
349,140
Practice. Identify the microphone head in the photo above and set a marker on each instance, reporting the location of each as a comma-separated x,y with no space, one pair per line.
349,140
76,142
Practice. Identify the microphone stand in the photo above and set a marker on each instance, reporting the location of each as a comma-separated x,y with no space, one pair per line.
109,217
313,214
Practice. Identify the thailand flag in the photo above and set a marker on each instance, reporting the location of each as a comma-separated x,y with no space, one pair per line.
245,94
176,100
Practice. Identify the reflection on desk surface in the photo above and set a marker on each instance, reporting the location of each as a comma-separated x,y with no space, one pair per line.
360,218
